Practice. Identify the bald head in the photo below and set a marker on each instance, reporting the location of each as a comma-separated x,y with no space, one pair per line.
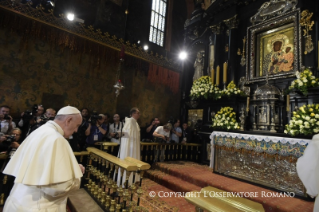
69,123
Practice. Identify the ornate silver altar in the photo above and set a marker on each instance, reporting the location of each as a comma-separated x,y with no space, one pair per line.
267,110
265,160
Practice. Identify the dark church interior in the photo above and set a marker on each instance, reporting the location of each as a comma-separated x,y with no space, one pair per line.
226,91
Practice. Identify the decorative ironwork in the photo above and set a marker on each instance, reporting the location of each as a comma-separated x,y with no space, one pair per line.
307,23
273,8
243,58
232,22
86,32
216,28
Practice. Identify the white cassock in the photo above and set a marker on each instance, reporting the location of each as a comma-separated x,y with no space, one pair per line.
308,169
130,146
46,172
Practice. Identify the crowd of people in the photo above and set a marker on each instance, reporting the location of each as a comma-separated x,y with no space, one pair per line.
94,128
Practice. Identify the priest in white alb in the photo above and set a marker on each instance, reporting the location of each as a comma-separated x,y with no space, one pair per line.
130,143
44,166
308,169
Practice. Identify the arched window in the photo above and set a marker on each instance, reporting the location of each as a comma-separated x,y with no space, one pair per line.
157,27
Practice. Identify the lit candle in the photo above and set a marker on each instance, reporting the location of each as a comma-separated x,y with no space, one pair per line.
225,73
247,107
212,74
288,103
217,75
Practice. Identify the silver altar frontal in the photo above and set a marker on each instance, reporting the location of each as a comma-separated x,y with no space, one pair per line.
265,160
268,104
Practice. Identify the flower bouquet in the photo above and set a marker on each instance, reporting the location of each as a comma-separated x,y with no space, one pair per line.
304,81
225,119
204,88
232,90
304,121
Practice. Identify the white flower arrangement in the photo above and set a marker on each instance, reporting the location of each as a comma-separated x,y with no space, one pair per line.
204,88
232,90
304,81
225,119
304,121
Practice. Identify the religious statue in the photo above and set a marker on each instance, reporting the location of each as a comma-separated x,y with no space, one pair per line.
262,115
199,66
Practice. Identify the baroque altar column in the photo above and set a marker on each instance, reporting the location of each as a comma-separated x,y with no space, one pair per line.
215,40
232,31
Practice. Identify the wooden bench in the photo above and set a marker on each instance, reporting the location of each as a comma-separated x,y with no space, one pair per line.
213,199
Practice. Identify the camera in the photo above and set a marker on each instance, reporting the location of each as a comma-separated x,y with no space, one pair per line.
28,115
6,116
94,118
45,119
10,139
117,135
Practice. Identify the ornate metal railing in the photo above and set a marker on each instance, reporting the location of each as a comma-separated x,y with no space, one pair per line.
150,152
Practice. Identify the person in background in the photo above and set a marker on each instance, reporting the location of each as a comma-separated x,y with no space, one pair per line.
186,134
78,139
12,147
95,131
130,143
115,129
6,123
155,122
162,135
176,132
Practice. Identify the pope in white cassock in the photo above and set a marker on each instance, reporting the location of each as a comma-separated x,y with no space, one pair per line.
130,143
44,166
308,169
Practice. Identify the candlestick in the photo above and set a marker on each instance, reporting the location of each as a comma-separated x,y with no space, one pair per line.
288,103
225,73
212,74
247,107
217,75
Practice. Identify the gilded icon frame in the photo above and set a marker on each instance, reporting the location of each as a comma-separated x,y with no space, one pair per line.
262,54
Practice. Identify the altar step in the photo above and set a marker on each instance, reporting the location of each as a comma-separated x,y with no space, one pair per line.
181,176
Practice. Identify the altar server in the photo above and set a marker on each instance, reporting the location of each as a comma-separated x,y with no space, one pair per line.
308,169
45,167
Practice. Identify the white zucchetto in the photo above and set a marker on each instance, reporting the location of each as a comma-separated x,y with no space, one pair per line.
68,110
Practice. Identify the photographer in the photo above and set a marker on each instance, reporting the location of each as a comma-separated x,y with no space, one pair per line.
6,123
96,129
48,116
162,135
151,128
176,132
11,144
115,128
78,139
29,119
36,113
